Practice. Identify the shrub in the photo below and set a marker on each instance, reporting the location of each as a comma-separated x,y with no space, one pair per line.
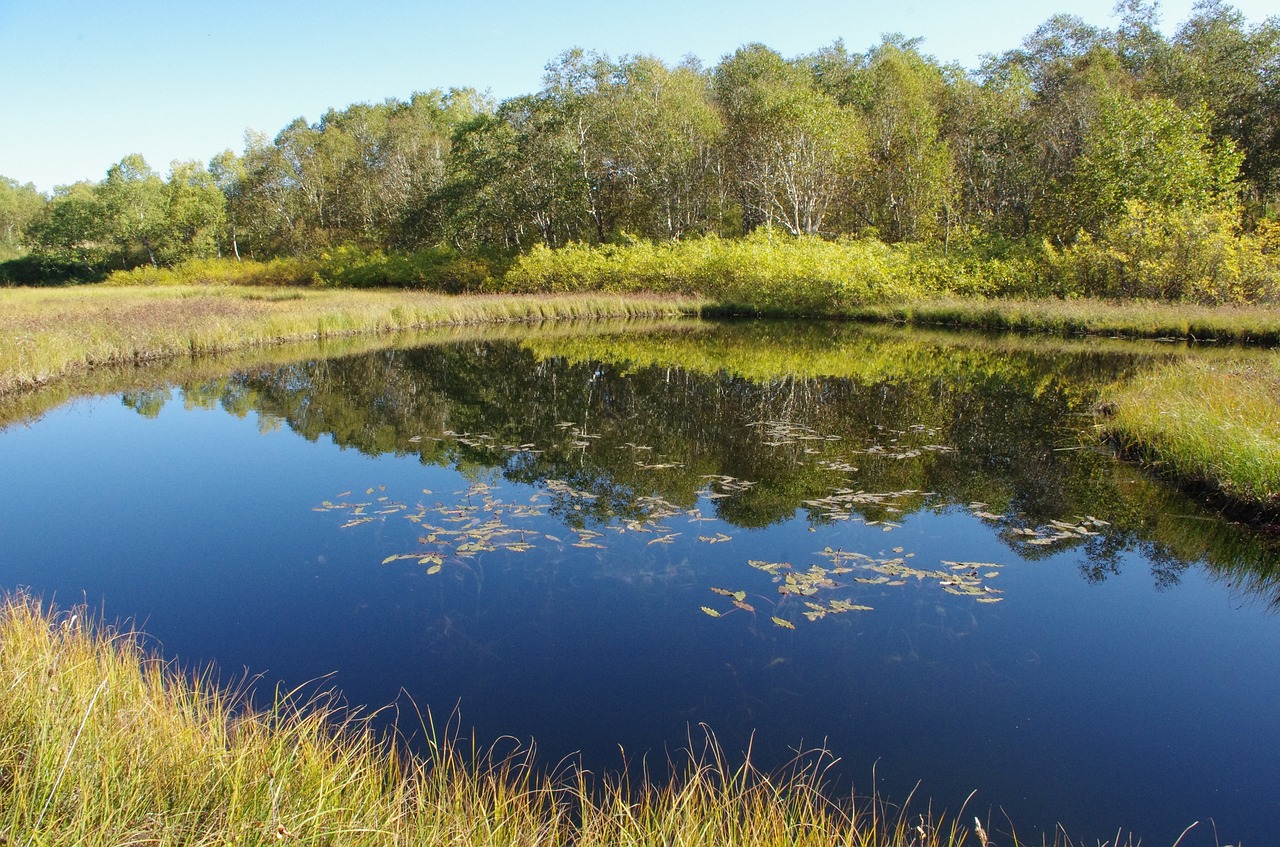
1172,255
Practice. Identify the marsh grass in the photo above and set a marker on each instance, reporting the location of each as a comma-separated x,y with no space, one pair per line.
17,407
1085,316
103,743
1208,422
48,333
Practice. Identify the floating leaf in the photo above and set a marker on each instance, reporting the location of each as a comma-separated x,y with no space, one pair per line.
744,606
434,569
355,522
783,622
839,606
711,611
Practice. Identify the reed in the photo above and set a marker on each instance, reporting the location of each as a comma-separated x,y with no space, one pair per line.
102,743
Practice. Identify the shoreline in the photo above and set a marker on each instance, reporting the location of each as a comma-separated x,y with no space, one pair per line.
48,335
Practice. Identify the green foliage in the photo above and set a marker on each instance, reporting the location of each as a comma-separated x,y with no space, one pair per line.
20,205
770,272
1179,255
1152,152
435,269
439,269
911,184
793,150
132,206
661,134
276,272
131,218
1044,143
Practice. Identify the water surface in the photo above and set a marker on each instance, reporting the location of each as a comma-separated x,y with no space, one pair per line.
905,548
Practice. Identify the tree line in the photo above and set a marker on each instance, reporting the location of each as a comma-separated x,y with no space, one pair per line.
1053,141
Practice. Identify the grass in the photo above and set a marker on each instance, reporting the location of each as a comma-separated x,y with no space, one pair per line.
102,743
1084,316
1207,422
47,333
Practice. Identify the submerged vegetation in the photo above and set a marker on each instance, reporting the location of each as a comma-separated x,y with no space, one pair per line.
102,743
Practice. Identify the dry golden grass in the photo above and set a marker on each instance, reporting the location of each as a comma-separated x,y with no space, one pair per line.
48,333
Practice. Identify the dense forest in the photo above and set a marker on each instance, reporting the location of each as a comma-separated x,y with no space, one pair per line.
1081,133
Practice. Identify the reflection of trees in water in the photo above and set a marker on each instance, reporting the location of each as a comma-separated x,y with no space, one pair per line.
630,417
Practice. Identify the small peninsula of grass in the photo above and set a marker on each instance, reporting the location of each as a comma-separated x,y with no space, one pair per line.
104,744
1209,423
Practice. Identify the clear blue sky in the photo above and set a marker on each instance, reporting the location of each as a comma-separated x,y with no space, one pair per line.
86,82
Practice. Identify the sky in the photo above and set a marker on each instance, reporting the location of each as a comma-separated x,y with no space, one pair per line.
87,82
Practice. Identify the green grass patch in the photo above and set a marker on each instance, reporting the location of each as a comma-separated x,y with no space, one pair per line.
1206,422
102,743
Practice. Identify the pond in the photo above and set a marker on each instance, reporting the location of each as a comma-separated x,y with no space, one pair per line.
904,548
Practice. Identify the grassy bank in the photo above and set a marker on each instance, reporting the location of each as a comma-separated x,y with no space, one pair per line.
101,744
48,333
1254,324
1207,423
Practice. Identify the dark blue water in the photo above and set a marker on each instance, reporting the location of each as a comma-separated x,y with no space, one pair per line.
1123,680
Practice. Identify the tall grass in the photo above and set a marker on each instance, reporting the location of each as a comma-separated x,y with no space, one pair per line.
104,744
1212,422
47,333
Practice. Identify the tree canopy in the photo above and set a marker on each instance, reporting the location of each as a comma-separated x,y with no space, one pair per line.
1050,140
